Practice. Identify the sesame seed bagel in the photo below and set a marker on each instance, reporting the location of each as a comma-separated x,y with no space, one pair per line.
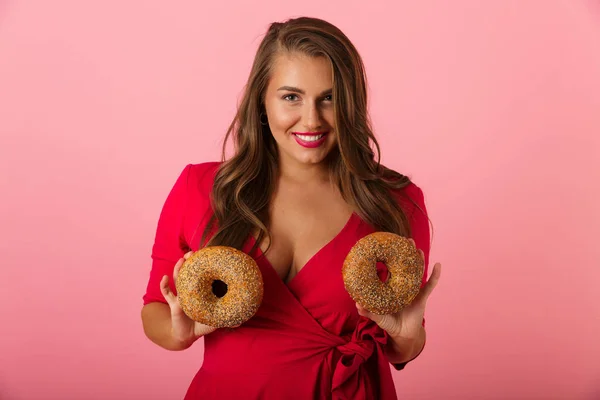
405,266
235,269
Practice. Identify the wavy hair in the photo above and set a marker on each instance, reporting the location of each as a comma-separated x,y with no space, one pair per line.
244,183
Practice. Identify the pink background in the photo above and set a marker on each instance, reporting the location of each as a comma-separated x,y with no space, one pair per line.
492,107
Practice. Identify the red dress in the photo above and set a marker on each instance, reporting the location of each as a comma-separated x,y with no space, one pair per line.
307,340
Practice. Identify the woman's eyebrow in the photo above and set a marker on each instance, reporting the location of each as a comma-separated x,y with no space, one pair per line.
298,90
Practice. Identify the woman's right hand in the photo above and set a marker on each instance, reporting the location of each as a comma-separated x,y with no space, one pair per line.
183,328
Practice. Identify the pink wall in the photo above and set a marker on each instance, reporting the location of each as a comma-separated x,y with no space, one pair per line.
492,107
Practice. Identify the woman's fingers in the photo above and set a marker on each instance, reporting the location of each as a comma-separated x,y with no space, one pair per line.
201,329
179,264
176,269
164,282
431,282
388,322
166,290
366,313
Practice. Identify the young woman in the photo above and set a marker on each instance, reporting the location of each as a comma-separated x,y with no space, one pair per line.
304,184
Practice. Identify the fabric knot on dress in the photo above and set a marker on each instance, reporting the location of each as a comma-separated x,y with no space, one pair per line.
350,378
355,351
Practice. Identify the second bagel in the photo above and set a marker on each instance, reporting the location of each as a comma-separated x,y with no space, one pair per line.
220,286
405,266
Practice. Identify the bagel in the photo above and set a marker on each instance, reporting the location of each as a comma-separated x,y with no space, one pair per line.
220,286
405,266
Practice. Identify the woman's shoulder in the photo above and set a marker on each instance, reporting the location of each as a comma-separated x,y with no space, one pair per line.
410,197
412,190
204,168
194,183
202,175
407,192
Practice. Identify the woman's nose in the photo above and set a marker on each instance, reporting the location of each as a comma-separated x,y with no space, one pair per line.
312,118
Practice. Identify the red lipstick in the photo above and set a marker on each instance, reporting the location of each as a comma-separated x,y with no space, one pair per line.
310,140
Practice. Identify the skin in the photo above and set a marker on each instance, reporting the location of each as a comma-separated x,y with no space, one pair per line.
298,99
307,211
166,324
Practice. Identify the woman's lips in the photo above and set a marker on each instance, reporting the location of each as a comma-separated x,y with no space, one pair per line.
310,139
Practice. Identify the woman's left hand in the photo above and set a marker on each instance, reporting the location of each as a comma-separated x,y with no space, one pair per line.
407,324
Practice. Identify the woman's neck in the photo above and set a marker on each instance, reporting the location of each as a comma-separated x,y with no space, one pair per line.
295,172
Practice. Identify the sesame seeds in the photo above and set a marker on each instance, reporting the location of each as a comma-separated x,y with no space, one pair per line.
403,262
231,266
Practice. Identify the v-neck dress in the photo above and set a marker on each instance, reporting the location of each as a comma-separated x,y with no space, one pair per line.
306,340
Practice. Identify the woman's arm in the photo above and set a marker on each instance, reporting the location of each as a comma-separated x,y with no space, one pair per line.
163,320
156,319
403,350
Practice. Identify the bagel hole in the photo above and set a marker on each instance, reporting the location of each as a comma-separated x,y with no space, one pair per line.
219,288
382,272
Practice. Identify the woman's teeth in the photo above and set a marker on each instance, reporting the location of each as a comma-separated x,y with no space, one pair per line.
311,138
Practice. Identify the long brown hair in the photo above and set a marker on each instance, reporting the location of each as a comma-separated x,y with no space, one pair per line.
244,184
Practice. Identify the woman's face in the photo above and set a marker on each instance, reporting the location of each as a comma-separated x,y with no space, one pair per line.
300,108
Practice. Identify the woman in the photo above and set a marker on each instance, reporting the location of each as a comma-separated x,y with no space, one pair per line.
303,186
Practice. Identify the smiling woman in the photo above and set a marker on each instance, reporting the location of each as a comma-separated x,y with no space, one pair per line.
303,187
299,108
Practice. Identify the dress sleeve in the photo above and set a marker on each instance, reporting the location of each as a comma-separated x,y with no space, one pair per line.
169,242
419,224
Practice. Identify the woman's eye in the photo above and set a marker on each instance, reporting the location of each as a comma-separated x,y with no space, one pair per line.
290,97
328,98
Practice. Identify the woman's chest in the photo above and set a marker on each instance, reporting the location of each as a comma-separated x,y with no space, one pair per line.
300,226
